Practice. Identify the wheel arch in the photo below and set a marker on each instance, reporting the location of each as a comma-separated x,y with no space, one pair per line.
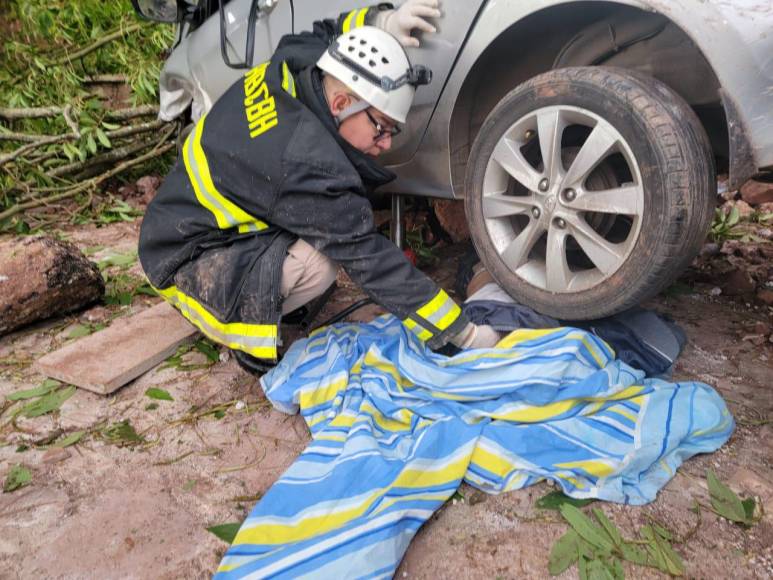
589,33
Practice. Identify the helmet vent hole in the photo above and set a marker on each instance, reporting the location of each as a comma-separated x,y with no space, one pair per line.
355,77
351,48
363,41
385,60
362,55
373,49
372,63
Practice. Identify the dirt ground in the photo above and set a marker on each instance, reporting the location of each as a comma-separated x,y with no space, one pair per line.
101,510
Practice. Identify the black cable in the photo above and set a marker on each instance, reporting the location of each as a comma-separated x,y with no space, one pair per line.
346,312
292,17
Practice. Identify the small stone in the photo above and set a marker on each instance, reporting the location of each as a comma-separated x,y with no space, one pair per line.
757,192
765,296
709,250
739,283
224,356
765,233
716,291
55,455
240,405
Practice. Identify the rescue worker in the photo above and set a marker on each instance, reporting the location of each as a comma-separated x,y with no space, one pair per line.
269,195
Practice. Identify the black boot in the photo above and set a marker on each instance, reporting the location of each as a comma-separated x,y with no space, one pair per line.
251,364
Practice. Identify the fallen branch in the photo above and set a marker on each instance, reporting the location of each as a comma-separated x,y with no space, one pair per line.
155,152
21,137
97,79
135,129
31,146
131,113
30,112
116,154
101,42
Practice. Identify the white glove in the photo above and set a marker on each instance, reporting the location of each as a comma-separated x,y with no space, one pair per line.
476,336
412,14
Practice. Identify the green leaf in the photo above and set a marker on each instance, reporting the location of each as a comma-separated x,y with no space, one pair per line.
48,403
661,531
46,387
151,406
749,505
91,144
616,567
159,394
609,527
634,554
226,532
71,439
110,126
22,448
103,139
724,500
79,330
734,217
208,350
585,527
564,553
122,433
672,560
17,477
555,499
121,260
597,570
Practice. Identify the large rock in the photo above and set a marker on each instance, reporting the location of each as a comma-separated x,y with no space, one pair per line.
42,277
450,214
757,192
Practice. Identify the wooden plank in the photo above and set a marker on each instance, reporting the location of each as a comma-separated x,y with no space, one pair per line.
106,360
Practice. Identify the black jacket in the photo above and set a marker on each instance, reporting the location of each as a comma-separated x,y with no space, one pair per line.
267,165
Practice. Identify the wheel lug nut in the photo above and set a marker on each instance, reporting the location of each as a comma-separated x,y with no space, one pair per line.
535,212
560,223
570,194
544,184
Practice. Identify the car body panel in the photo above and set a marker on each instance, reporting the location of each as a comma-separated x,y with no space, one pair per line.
733,36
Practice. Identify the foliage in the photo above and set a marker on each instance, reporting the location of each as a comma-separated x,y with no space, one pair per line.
226,532
17,477
122,434
727,504
159,394
555,499
598,548
85,59
721,227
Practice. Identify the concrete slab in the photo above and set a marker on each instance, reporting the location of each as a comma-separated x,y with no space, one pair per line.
106,360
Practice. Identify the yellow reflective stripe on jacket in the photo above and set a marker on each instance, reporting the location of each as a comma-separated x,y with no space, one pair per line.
227,214
440,313
288,82
259,340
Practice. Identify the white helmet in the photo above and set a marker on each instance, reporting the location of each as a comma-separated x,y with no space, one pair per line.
374,65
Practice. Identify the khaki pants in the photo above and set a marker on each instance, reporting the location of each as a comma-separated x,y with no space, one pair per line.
306,273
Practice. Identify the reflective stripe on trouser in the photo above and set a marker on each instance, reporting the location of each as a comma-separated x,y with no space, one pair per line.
227,214
258,340
434,317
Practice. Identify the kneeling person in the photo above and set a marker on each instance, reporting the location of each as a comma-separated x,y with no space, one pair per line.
269,196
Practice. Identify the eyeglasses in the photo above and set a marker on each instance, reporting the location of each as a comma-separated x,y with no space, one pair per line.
382,131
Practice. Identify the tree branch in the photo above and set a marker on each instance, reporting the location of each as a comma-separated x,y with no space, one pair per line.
123,114
101,42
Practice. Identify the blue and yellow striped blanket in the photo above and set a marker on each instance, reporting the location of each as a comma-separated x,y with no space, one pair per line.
396,428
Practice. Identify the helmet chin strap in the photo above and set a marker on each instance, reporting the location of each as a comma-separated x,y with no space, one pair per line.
352,109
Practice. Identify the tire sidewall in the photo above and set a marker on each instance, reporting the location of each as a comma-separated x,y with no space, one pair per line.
664,209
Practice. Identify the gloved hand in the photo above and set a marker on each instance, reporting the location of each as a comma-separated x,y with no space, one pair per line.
475,336
410,15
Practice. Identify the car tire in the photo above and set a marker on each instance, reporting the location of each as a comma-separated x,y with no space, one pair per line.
619,210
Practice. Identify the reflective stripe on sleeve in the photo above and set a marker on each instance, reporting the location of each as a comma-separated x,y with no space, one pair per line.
227,214
259,340
439,313
288,82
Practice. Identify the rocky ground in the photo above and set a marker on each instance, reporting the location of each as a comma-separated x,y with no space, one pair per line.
110,507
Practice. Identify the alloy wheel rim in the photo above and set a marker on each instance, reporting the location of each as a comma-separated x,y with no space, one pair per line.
552,218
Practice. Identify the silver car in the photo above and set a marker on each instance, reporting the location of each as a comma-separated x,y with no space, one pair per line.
584,136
